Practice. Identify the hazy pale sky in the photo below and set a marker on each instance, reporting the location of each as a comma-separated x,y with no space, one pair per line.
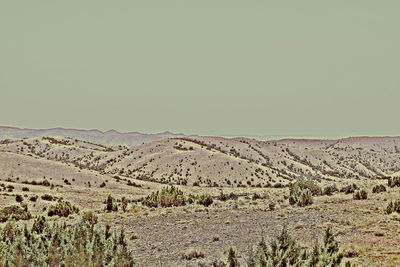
205,67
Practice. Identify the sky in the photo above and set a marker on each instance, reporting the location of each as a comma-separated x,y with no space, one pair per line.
312,68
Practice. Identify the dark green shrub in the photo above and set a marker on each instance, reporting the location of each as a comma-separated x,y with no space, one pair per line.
47,197
379,188
349,189
283,250
225,197
306,184
169,196
90,217
205,200
14,212
124,203
329,190
395,181
62,209
301,198
393,207
81,244
19,198
110,205
360,194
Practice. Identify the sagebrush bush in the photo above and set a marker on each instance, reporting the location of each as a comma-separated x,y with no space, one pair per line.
283,250
14,212
225,197
329,190
306,184
169,196
379,188
81,244
393,207
349,189
301,198
205,200
110,205
395,181
62,209
360,194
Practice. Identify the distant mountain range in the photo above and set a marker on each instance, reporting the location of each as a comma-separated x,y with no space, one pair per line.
111,137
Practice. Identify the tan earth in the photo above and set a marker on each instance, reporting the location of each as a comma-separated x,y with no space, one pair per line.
85,173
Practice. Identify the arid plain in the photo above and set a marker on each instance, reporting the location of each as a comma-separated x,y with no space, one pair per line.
258,173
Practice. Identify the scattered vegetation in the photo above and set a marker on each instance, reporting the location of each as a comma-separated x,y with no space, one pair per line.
110,205
14,212
81,244
284,251
62,209
224,197
306,184
349,189
393,207
169,196
360,194
395,181
205,200
329,190
379,188
301,198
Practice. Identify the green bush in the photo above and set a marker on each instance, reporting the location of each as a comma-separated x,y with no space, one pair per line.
110,205
360,194
225,197
14,212
379,188
205,200
329,190
349,189
393,207
395,181
283,250
301,198
81,244
306,184
169,196
62,209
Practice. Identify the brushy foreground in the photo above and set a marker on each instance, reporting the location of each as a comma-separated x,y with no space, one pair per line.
82,244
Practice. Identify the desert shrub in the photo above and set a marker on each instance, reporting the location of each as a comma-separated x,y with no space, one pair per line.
25,189
90,217
393,207
47,197
301,198
349,189
205,200
193,254
329,190
19,198
225,197
283,250
169,196
14,212
306,184
81,244
395,181
62,209
360,194
379,188
103,184
33,198
124,203
110,205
